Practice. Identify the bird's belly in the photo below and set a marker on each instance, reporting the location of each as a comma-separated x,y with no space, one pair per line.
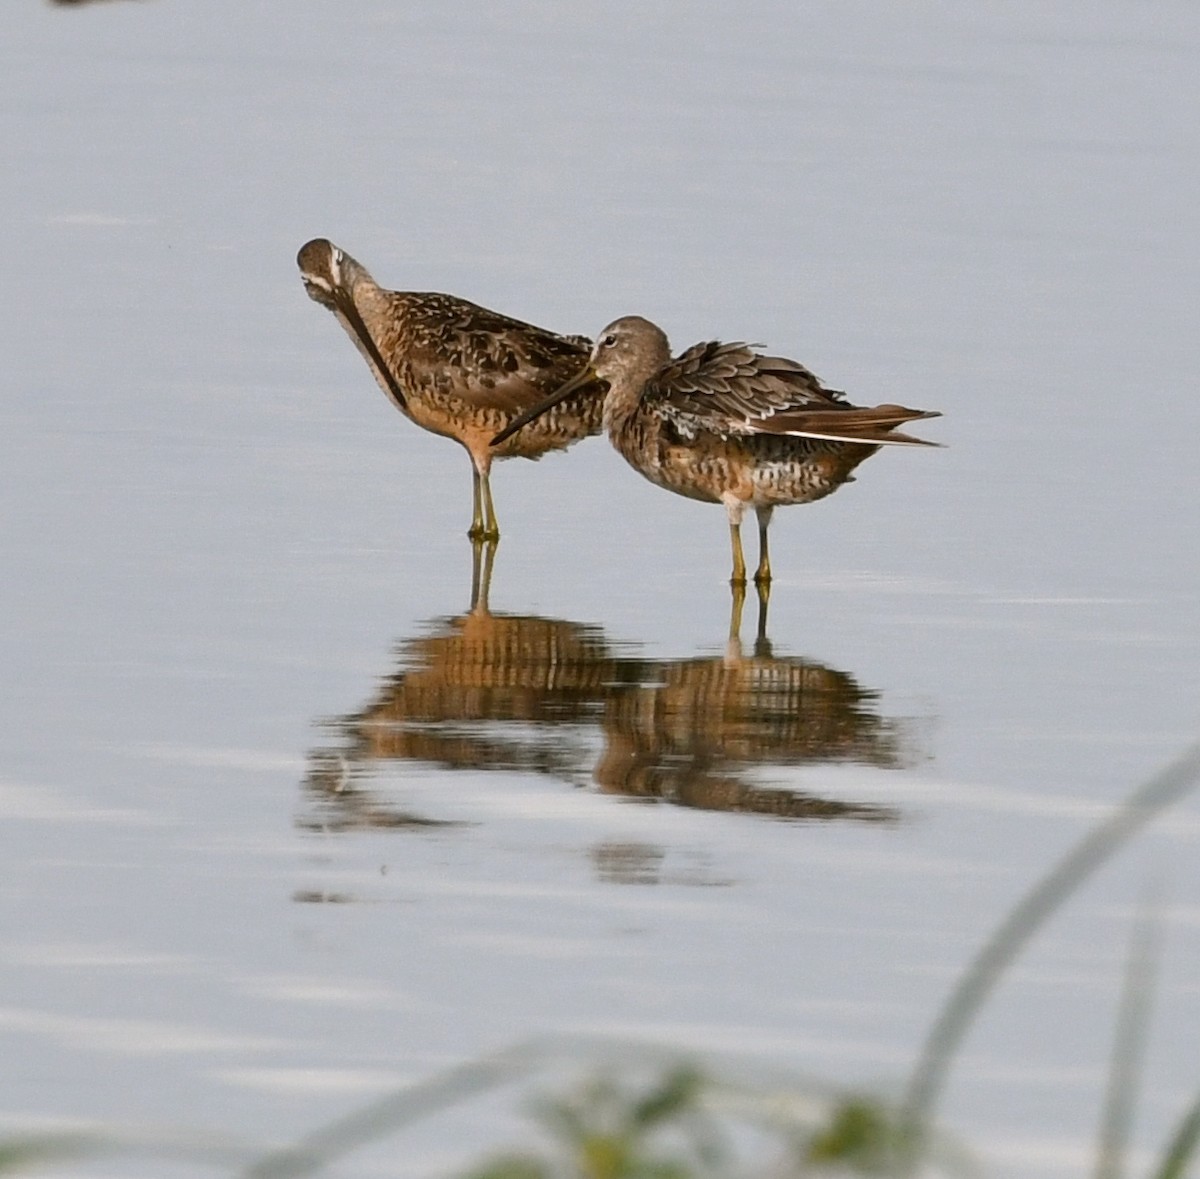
758,470
453,417
475,423
683,470
563,426
773,482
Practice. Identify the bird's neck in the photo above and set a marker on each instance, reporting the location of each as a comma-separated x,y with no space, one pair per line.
621,404
368,296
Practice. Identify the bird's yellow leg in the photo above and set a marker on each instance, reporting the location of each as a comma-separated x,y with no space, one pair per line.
483,553
739,561
762,576
485,580
476,531
491,530
476,566
735,611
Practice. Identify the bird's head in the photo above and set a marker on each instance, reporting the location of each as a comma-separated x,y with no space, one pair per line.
630,349
327,271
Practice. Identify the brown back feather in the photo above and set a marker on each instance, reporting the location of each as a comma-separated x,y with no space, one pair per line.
492,359
729,389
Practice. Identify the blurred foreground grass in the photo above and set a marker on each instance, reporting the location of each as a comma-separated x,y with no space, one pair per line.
641,1113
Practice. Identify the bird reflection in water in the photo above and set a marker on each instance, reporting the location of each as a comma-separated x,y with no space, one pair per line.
690,729
491,691
478,691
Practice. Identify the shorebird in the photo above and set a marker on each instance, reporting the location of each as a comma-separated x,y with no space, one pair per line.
724,424
455,368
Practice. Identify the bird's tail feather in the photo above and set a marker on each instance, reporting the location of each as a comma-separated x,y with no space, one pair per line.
873,426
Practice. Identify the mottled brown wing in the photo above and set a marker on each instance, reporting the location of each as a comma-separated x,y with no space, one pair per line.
731,389
488,358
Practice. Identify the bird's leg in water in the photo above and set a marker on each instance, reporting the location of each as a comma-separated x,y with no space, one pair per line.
483,514
762,576
475,532
483,553
491,529
735,611
762,645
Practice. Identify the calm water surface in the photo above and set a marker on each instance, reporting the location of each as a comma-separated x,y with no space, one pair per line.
286,823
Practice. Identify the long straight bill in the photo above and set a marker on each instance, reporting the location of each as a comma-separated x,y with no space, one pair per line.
344,304
583,377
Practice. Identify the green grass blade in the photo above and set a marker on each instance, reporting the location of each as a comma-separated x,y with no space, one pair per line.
1014,932
1183,1146
1129,1045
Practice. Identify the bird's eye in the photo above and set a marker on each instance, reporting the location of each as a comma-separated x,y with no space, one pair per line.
608,341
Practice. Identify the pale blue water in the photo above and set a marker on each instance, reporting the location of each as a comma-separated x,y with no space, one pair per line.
219,538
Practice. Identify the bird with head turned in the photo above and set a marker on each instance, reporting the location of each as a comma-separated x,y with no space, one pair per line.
725,424
455,368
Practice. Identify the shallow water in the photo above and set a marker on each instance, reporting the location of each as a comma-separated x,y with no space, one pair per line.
243,677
